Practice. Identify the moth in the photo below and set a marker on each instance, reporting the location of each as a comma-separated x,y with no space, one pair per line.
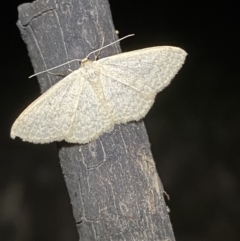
100,94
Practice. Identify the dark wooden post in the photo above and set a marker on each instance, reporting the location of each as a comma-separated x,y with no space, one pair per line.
113,184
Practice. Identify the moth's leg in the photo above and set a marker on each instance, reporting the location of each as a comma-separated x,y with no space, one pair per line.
98,54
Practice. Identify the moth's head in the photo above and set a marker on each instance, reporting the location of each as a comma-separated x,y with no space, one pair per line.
85,62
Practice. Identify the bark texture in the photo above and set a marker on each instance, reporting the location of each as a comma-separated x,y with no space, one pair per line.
113,184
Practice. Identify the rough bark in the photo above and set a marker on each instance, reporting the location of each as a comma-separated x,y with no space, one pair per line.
113,184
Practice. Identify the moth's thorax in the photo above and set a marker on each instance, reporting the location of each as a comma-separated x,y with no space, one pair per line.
90,70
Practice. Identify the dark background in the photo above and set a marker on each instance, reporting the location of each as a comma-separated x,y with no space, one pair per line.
194,125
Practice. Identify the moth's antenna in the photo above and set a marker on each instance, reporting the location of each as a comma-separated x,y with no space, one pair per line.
130,35
54,67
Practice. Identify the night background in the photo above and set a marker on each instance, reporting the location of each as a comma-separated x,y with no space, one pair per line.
193,127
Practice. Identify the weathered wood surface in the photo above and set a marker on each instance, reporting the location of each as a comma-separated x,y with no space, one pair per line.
113,184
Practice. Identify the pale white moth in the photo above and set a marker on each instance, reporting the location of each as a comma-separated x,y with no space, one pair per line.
100,94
